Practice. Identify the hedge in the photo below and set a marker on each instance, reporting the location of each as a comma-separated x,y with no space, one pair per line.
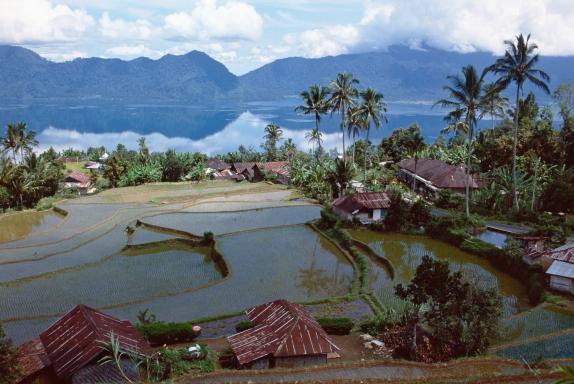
336,325
243,325
161,333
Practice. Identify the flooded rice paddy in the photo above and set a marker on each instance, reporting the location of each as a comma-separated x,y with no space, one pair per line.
405,253
21,224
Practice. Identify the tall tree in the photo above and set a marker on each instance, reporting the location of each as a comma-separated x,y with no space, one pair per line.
314,103
11,142
343,96
495,103
519,66
372,113
466,99
26,139
314,137
273,134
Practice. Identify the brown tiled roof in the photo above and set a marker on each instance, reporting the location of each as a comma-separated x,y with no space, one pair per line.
283,329
107,373
240,167
439,173
76,176
362,201
75,340
32,357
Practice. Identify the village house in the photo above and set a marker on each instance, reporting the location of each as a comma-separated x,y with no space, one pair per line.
284,334
68,351
250,171
433,175
561,271
280,169
94,165
79,181
534,248
367,206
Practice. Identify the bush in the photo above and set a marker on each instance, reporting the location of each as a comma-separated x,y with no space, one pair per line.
420,212
243,325
167,333
328,218
208,238
480,248
102,184
448,199
558,196
336,325
45,203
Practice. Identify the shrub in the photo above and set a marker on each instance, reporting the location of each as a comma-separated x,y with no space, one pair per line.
328,218
336,325
243,325
102,184
448,199
45,203
420,212
160,333
208,238
558,196
479,247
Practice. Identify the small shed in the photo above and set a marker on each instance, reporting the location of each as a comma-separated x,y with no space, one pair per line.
78,180
367,206
284,335
281,169
69,350
561,276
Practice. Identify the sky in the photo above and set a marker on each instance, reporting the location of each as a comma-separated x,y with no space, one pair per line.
246,34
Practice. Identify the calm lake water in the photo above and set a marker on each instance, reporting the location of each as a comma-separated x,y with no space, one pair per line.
189,128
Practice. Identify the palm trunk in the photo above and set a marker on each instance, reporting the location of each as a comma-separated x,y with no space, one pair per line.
514,147
468,173
343,114
354,147
365,160
532,204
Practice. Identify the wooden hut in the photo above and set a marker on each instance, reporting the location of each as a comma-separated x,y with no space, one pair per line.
284,335
367,206
561,271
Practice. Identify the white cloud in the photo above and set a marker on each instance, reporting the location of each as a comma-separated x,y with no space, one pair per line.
130,51
325,42
41,21
63,56
139,29
210,20
246,130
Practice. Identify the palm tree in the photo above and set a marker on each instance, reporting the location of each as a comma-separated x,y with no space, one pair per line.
273,134
289,149
11,141
371,112
26,140
314,137
496,104
518,66
354,127
467,99
314,103
343,97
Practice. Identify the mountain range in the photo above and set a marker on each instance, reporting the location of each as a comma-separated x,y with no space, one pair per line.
402,74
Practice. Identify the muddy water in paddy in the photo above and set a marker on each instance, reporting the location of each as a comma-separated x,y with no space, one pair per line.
17,225
405,253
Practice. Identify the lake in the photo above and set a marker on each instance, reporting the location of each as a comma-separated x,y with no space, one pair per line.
190,128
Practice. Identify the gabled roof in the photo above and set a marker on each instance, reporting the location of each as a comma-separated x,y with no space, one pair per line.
32,358
75,340
363,201
439,173
278,167
280,328
76,176
561,268
217,164
240,167
564,253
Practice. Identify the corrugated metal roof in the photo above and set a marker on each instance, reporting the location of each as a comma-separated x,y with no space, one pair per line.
365,200
32,357
439,173
561,268
564,253
75,340
278,167
280,328
78,177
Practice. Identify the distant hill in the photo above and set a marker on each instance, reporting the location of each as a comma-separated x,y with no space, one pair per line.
191,78
400,73
195,78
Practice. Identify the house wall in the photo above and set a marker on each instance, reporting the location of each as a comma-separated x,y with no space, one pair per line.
300,361
560,283
45,376
262,363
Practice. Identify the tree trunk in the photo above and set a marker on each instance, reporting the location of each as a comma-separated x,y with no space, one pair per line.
532,204
468,164
514,148
343,115
365,160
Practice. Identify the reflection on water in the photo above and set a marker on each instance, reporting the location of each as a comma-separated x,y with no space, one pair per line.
17,225
191,128
495,238
405,252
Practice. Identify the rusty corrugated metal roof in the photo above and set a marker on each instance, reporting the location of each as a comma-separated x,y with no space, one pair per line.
32,358
564,253
75,340
278,167
439,173
280,328
365,200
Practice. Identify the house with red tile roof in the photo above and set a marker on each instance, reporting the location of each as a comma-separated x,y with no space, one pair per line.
78,181
284,334
366,206
69,350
